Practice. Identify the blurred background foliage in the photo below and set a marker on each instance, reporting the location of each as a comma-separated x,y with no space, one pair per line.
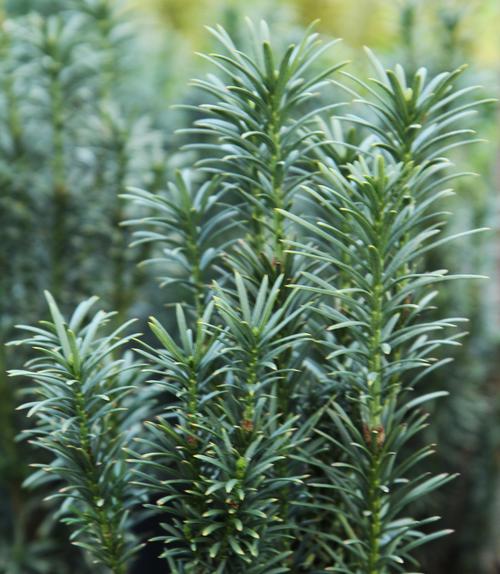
86,88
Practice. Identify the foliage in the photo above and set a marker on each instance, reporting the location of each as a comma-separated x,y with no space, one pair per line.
289,409
86,415
68,151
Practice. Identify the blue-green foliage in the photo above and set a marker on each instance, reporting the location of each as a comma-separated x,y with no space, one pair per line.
283,400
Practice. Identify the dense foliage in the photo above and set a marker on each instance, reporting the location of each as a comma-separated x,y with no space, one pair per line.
277,415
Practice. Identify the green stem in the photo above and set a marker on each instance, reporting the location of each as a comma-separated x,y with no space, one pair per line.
192,391
59,188
408,32
277,186
111,541
7,408
374,507
12,102
13,117
277,199
375,434
375,362
105,26
375,430
256,237
251,381
121,295
194,256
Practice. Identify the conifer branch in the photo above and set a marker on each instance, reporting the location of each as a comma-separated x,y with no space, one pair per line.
85,418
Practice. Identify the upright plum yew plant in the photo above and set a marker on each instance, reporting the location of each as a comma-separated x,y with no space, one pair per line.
285,395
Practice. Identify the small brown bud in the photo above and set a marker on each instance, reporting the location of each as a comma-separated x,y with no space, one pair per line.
192,440
380,437
247,425
379,433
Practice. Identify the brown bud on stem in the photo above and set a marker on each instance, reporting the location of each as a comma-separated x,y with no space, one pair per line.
379,433
247,425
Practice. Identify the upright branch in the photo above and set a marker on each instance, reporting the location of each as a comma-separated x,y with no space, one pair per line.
110,33
416,117
258,340
86,415
113,134
257,138
113,169
215,451
382,218
188,374
192,225
256,128
51,54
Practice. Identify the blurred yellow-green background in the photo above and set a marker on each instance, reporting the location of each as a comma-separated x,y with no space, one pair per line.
377,23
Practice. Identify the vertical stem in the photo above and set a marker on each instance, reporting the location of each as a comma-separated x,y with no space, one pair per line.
375,430
192,392
13,118
194,256
374,507
375,362
121,294
105,26
277,185
12,468
59,189
256,237
141,275
109,538
277,222
198,284
251,381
